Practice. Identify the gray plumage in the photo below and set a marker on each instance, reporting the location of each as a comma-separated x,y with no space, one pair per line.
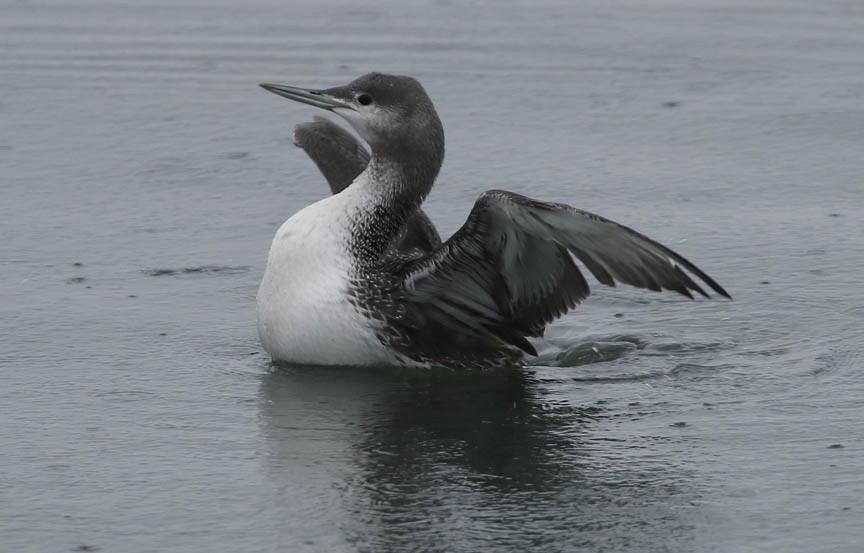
338,155
507,272
502,277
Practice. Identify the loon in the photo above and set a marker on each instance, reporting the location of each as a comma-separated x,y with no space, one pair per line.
361,277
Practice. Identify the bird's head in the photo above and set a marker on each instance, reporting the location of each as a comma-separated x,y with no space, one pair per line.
390,112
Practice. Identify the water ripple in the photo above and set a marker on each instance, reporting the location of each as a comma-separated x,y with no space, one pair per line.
200,269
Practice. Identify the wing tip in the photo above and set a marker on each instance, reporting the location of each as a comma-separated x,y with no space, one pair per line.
714,286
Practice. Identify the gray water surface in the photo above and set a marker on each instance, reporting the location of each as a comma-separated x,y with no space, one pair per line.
143,174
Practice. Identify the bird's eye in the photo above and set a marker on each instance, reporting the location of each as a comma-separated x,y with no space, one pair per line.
364,99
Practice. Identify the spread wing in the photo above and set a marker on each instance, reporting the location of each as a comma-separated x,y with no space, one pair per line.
340,157
508,271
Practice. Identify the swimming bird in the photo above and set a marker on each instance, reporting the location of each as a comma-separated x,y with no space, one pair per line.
336,291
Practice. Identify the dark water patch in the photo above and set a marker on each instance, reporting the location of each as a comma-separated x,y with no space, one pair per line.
76,280
494,454
566,342
637,341
694,371
610,379
673,348
594,350
588,353
202,269
237,155
124,396
768,352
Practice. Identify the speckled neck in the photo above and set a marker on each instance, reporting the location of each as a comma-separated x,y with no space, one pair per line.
394,184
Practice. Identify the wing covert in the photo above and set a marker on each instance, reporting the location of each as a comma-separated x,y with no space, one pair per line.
509,270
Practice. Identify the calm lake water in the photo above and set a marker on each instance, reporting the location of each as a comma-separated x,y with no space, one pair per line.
143,174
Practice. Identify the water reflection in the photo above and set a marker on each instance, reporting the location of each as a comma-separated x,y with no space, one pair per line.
458,461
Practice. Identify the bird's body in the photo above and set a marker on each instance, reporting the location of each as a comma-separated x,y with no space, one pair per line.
304,312
362,278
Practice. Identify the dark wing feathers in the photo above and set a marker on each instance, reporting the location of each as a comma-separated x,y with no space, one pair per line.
610,249
508,271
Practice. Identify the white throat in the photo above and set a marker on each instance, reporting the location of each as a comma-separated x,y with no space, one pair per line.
304,310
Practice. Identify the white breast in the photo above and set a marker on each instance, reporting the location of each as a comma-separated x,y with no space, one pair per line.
303,311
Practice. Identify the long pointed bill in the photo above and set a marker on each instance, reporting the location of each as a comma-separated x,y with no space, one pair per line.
312,97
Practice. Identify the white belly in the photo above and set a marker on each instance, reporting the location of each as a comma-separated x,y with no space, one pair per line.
303,311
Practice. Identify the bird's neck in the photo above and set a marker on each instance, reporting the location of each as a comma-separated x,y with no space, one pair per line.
394,185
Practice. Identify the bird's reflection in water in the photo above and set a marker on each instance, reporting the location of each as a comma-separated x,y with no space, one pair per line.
459,461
